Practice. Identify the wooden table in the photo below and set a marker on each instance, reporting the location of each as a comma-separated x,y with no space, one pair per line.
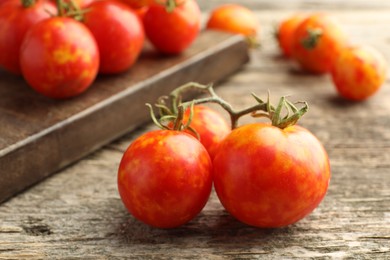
77,213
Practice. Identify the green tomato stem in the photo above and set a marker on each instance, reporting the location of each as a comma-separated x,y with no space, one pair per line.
261,109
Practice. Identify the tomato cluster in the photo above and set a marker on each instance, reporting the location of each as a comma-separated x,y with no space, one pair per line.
318,44
265,175
59,47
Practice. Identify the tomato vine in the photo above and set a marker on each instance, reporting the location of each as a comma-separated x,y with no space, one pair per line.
171,108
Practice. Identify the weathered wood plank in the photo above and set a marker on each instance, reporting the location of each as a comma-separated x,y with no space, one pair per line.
77,213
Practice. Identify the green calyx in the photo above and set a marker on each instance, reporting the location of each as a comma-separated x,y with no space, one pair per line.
293,114
312,38
171,108
170,5
28,3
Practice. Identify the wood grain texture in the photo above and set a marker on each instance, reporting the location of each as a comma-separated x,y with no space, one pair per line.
77,213
40,136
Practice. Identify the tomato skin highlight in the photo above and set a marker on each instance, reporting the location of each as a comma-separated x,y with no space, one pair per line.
321,57
15,20
118,32
268,177
59,57
359,72
165,178
172,32
234,18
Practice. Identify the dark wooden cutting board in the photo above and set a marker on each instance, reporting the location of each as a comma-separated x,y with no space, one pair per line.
39,136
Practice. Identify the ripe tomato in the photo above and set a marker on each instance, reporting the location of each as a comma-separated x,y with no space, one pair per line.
172,32
118,33
359,72
211,127
270,177
285,32
164,178
15,20
318,41
59,57
234,18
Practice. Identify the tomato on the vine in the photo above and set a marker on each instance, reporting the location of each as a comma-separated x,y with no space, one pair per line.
285,32
270,177
59,57
16,17
359,72
211,127
164,178
118,32
234,18
172,31
317,42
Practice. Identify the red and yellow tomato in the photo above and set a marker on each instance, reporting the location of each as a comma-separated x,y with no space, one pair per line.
359,72
15,20
165,178
59,57
211,127
317,42
172,32
118,32
270,177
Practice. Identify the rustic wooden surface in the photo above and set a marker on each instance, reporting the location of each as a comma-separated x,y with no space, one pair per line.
77,213
38,133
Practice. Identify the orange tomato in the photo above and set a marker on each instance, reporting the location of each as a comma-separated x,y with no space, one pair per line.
359,72
234,18
285,32
317,42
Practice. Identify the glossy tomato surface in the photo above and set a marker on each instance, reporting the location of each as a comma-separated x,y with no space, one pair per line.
285,32
15,20
165,178
118,32
359,72
172,32
234,18
317,54
59,57
210,125
269,177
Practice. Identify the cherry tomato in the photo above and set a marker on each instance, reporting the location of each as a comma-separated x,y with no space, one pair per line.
59,57
211,127
270,177
359,72
15,20
234,18
172,32
118,33
285,32
318,41
164,178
